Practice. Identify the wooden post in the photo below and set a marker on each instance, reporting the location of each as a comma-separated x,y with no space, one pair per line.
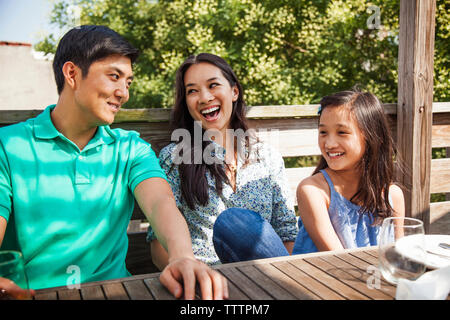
415,99
447,155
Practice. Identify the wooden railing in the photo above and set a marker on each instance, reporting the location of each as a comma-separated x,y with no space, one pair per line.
293,131
290,129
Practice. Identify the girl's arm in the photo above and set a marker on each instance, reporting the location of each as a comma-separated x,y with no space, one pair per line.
312,207
398,200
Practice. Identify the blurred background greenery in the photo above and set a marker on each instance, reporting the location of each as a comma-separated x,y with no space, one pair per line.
285,52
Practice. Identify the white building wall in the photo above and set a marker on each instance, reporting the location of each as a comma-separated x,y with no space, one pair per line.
25,82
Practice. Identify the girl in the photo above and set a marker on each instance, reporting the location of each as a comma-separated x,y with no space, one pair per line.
345,200
230,187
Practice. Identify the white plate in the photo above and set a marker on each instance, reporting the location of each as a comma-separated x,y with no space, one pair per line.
406,247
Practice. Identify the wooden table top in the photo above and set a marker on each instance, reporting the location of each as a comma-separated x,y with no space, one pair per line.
340,275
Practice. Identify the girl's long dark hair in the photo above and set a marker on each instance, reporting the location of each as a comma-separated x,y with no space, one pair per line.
193,180
377,163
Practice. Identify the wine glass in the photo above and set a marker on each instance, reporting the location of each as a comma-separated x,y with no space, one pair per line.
401,249
12,267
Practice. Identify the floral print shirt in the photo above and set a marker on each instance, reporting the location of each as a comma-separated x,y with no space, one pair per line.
261,186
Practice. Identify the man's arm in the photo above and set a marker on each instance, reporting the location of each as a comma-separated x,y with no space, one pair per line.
2,229
156,200
9,289
160,257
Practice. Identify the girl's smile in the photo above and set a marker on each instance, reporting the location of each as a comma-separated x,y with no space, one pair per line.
341,141
335,155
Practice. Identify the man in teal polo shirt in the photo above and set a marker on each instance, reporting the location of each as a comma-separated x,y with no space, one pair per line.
68,181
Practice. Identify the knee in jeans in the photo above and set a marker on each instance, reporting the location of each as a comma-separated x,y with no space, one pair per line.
235,218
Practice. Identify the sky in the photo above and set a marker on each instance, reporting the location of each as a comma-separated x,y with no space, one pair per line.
25,20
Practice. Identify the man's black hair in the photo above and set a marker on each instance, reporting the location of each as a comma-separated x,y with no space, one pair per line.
86,44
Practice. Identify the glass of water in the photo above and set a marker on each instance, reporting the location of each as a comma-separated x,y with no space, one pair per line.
12,267
401,249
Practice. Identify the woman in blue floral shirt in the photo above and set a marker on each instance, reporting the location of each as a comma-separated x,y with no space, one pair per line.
230,187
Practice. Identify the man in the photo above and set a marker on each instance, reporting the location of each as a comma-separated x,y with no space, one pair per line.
67,180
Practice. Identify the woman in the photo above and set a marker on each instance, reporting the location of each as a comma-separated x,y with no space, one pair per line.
230,187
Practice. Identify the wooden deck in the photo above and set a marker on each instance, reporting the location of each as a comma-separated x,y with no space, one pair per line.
342,275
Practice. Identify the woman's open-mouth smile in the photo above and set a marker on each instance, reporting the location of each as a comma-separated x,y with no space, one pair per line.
211,113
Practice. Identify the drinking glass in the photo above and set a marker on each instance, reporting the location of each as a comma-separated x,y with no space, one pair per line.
12,267
401,249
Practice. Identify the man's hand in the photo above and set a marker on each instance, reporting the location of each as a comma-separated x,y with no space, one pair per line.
9,290
185,272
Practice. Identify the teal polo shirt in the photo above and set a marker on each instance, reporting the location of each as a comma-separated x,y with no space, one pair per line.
68,210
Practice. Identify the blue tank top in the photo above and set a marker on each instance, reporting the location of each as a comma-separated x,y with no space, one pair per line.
352,228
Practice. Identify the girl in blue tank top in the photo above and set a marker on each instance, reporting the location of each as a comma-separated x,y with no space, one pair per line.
352,189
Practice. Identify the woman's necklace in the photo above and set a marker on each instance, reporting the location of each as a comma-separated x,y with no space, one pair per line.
232,169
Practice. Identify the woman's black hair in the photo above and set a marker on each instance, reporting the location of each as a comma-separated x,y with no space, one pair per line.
86,44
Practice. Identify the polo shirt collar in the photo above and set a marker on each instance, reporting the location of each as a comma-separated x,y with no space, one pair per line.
44,129
43,125
103,135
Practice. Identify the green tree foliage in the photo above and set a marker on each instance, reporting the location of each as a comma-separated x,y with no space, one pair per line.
284,51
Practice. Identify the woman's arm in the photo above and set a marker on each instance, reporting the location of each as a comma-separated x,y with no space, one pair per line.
312,207
289,245
283,219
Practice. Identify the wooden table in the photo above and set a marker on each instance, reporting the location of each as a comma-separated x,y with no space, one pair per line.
343,275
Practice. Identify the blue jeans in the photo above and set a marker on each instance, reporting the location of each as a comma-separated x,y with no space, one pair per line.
241,235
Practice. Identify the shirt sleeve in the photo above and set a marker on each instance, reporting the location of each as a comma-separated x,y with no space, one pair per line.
173,178
283,219
144,164
5,185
